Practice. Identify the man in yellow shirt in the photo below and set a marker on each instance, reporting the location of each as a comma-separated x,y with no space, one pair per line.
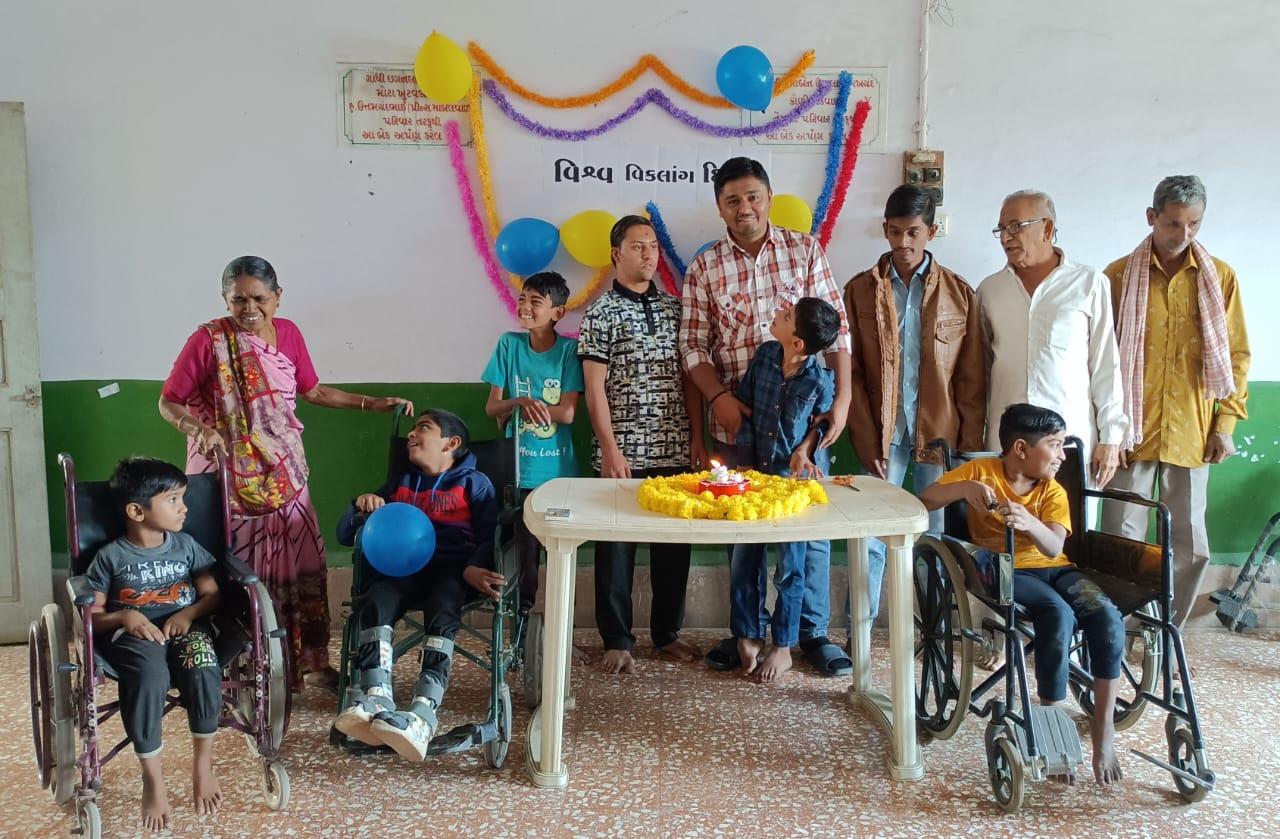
1184,359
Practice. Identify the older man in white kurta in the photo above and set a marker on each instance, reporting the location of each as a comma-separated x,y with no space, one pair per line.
1051,337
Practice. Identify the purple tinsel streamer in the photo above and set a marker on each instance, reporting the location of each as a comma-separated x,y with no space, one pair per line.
834,146
664,239
655,96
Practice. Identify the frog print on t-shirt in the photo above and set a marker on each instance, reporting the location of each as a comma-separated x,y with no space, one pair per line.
551,395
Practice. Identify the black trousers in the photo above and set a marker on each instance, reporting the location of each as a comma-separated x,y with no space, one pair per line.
438,590
147,669
529,549
668,575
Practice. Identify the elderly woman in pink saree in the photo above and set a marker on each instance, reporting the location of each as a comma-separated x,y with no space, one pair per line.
234,387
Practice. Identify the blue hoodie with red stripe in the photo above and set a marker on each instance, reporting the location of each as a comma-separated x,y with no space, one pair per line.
460,502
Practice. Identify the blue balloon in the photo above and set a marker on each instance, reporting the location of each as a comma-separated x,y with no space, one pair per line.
745,77
398,539
703,247
527,245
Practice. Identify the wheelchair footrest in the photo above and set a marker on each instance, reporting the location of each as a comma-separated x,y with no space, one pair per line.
463,737
1232,611
1057,739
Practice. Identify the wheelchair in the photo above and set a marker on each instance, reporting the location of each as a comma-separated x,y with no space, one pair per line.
1029,740
66,712
1233,604
498,625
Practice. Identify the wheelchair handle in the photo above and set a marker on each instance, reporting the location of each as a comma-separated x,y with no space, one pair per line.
401,411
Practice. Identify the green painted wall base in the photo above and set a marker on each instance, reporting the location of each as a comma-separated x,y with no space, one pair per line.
347,451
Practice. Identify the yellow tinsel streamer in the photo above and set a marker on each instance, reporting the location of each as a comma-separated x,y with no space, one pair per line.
476,114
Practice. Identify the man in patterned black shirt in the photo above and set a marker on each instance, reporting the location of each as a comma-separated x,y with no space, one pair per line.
647,419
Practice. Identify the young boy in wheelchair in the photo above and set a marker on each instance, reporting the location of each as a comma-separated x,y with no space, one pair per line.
152,591
1018,491
460,501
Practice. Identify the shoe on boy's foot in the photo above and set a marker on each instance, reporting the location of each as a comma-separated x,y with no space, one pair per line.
404,731
356,720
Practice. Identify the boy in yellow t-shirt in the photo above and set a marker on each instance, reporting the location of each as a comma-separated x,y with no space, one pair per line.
1017,490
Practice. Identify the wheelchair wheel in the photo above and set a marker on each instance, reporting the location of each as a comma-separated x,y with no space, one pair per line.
275,784
1008,783
89,820
268,733
35,673
1143,647
1182,754
944,676
495,751
55,717
532,670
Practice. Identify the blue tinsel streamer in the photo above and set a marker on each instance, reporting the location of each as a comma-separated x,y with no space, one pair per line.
834,148
664,239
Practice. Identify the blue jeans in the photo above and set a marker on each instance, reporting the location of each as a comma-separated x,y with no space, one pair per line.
1057,599
803,581
925,475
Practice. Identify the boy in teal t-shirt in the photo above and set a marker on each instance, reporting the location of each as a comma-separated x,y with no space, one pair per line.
538,372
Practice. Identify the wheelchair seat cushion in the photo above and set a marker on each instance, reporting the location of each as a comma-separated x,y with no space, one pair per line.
1128,596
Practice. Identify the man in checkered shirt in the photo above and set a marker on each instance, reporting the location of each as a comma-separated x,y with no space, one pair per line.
730,296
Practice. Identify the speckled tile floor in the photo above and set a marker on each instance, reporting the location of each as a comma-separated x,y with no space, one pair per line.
679,751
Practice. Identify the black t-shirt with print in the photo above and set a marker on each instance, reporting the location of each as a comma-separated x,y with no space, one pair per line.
155,581
636,336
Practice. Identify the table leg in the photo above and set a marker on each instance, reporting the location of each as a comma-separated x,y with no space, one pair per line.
906,763
546,727
859,615
569,701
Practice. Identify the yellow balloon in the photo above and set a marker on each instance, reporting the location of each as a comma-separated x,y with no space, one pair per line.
586,237
792,212
442,69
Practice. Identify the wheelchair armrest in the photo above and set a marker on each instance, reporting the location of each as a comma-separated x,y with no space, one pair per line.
81,592
961,543
238,571
1122,495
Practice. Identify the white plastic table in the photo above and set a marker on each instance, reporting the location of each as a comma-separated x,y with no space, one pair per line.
606,509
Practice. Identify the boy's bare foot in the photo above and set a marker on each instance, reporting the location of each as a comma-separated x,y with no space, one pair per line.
1069,779
679,650
776,662
580,656
156,811
205,789
1106,765
749,650
617,662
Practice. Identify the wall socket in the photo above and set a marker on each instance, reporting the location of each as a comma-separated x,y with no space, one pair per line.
944,224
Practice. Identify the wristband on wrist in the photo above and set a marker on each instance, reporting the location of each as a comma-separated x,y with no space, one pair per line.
713,399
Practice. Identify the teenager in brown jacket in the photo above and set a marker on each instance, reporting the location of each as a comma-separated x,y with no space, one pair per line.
919,366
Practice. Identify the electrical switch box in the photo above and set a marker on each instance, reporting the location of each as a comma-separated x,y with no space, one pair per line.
924,168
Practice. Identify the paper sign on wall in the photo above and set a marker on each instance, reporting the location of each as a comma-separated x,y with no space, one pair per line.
382,106
812,131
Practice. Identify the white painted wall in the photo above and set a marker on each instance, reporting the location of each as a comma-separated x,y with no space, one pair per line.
166,138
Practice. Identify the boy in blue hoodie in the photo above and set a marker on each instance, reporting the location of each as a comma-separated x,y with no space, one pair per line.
443,482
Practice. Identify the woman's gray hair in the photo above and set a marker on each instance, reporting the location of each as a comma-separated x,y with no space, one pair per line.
249,266
1036,195
1179,189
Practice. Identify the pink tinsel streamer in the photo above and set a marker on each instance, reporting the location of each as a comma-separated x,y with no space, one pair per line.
850,160
468,200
